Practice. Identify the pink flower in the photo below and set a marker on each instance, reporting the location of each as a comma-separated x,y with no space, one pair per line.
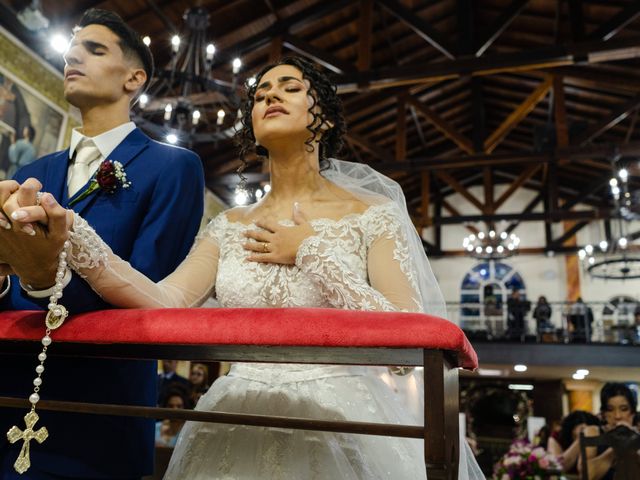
544,462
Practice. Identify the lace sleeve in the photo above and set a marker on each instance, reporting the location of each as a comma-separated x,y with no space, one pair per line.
390,286
119,284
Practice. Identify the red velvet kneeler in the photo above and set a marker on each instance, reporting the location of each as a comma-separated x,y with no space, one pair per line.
311,335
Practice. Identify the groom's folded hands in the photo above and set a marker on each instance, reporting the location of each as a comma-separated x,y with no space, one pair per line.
32,256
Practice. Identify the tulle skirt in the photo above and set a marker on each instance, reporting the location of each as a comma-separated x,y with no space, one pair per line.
229,452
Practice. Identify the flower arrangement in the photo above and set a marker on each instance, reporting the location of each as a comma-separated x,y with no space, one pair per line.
109,176
523,461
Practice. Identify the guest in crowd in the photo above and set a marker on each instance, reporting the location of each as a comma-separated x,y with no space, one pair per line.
581,321
199,376
617,407
169,377
567,444
542,314
176,396
516,311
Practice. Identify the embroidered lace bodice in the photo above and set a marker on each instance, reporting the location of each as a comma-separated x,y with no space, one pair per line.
360,262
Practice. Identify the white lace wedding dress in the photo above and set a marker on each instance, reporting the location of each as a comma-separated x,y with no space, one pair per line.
357,262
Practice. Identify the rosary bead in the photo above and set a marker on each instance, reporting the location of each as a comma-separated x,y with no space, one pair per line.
37,381
46,340
67,244
63,254
57,295
42,356
34,398
40,369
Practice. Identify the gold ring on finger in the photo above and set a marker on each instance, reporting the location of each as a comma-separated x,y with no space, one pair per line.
265,247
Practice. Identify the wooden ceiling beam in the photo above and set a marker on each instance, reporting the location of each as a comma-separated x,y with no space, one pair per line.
454,212
512,158
543,58
528,209
617,23
453,183
502,23
576,20
590,189
618,115
601,79
365,34
418,25
442,125
575,228
557,216
280,27
516,184
517,115
318,55
370,147
488,187
401,129
425,221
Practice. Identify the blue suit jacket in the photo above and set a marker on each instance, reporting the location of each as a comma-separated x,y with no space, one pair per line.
151,224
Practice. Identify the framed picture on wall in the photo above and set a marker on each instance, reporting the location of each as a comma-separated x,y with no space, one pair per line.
34,116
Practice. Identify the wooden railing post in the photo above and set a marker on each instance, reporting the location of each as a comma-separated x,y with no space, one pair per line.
441,407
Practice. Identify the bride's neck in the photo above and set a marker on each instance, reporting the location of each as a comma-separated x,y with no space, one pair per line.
295,175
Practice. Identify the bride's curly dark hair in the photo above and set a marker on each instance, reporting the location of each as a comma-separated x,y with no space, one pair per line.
328,126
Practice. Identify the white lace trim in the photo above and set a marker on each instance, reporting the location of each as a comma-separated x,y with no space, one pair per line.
88,250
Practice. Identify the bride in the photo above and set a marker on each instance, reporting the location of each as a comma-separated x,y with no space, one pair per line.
328,234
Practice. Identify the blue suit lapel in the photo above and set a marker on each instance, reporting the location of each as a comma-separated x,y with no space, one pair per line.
56,176
124,153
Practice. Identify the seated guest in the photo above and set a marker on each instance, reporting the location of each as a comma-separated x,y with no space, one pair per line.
618,407
199,376
169,376
175,396
567,445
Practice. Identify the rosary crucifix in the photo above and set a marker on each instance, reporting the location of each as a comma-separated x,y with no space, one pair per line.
30,419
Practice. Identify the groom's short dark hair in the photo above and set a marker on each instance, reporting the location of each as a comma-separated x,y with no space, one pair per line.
130,41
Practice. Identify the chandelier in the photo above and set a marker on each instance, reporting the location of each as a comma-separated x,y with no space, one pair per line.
491,245
614,258
185,103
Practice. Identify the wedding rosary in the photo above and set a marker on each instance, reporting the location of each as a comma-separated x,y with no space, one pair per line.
55,318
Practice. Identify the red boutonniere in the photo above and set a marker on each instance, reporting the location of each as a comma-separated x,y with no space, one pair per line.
109,177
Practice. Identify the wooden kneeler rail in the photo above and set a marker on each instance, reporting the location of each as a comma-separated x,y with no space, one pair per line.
323,336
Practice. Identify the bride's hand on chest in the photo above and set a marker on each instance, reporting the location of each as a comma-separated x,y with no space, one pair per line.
275,243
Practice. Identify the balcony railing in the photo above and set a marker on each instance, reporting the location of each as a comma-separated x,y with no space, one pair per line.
611,324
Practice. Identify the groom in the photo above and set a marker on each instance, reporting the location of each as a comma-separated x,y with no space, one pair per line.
149,219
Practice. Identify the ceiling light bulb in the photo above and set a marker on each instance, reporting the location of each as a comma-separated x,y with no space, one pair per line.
146,40
172,138
520,368
175,43
59,43
211,51
237,63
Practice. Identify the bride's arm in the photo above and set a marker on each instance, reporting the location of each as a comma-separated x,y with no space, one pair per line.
390,286
119,284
